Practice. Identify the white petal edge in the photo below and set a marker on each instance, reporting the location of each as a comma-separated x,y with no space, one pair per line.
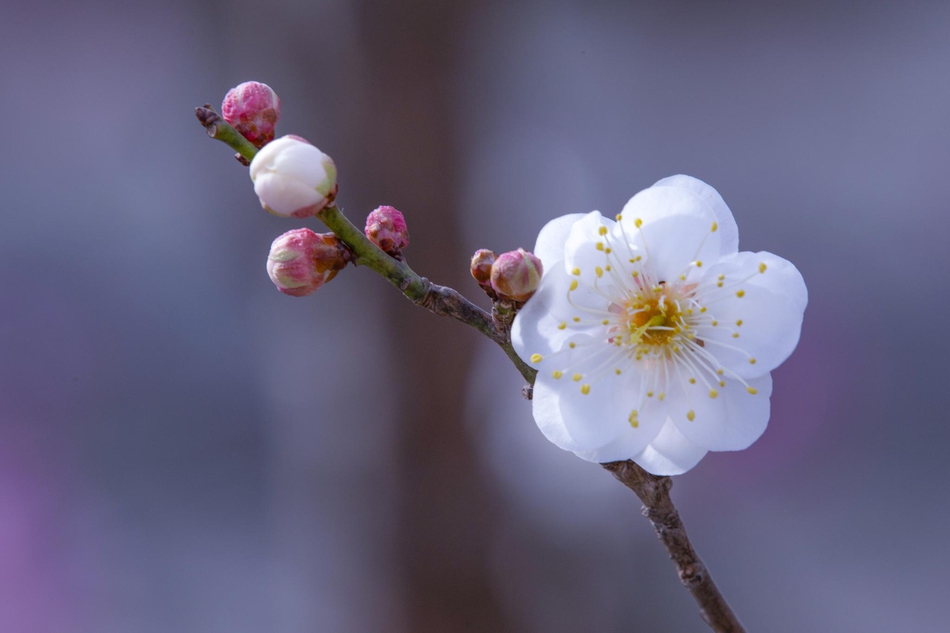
670,453
708,194
771,320
549,247
535,329
731,421
595,403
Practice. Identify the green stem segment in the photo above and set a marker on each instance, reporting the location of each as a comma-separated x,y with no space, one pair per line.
221,130
653,491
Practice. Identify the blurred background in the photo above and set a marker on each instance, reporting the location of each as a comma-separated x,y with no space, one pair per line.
182,448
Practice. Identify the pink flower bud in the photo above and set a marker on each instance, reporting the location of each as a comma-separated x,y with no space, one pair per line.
515,275
253,109
482,262
300,261
386,228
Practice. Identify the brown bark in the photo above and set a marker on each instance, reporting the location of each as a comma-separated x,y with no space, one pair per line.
658,506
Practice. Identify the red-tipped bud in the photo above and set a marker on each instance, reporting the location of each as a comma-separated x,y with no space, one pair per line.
515,275
482,262
300,261
253,109
386,228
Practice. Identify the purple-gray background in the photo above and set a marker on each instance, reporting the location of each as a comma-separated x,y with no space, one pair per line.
184,449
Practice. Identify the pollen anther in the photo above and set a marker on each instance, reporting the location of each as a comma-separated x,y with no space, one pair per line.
536,358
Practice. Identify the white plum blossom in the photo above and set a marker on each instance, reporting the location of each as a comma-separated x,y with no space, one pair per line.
653,336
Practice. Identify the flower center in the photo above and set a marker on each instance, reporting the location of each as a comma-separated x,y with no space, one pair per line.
651,322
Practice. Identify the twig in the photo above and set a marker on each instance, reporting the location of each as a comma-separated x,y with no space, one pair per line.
653,491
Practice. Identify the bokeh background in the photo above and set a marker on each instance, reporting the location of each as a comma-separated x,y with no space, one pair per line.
184,449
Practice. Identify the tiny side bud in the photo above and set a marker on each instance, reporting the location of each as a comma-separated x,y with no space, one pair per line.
253,109
386,228
515,275
293,178
482,262
300,261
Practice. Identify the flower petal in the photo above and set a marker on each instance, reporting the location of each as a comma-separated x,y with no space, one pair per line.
586,244
729,232
286,195
634,441
729,422
670,453
780,276
674,243
758,316
546,321
596,404
550,245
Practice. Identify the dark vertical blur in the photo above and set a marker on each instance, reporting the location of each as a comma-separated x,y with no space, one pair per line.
411,156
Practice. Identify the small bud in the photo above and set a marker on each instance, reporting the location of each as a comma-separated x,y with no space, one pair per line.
515,275
253,109
482,262
293,178
300,261
386,228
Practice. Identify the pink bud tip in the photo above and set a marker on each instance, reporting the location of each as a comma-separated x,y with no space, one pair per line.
253,109
482,262
515,275
386,228
300,261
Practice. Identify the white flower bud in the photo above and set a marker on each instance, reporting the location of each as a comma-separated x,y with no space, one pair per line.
293,178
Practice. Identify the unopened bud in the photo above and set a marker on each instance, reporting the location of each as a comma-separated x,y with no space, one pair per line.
386,228
300,261
253,109
482,262
293,178
515,275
